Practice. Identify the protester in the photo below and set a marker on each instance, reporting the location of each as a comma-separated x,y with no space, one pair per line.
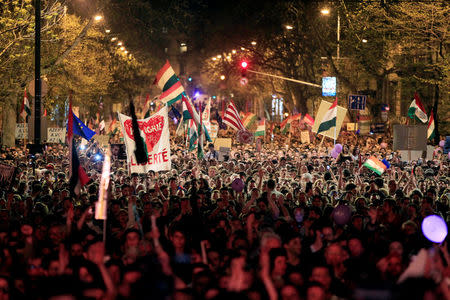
190,233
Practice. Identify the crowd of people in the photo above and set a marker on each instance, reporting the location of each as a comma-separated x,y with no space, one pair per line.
254,225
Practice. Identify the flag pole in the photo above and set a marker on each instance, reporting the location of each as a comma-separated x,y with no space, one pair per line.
335,125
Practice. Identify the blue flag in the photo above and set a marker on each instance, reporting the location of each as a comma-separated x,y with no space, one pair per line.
80,129
386,163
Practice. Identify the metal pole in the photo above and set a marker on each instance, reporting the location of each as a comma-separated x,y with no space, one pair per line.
37,76
285,78
338,34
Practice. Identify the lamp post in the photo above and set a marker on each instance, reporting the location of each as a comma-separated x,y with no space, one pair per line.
37,78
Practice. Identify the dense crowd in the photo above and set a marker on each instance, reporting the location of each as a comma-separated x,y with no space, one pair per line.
195,233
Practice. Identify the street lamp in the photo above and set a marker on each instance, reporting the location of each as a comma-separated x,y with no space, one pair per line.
364,41
98,18
253,43
289,27
107,31
325,11
119,44
113,39
222,77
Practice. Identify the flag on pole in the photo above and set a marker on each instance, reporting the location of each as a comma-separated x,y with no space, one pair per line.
417,110
431,131
101,205
170,84
192,135
194,115
25,111
261,129
78,177
329,119
249,119
75,126
232,119
309,120
375,165
200,138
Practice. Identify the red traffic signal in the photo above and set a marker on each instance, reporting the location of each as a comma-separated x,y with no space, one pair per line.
244,65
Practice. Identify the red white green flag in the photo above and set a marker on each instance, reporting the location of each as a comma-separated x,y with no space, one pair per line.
417,110
329,119
431,131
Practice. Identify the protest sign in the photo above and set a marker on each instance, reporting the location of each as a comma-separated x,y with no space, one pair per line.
410,137
155,133
56,135
103,139
21,131
222,142
323,108
304,137
223,151
6,174
352,126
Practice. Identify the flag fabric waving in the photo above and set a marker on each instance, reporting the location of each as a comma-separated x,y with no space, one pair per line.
329,119
431,131
375,165
249,119
308,120
78,127
170,84
417,110
261,129
232,119
25,111
192,135
190,112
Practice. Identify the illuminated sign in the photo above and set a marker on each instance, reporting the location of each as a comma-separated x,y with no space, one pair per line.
328,86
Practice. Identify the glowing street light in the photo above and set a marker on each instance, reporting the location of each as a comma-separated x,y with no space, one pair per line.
126,51
219,56
119,44
122,48
107,31
98,18
253,43
233,51
364,41
222,77
113,39
325,11
289,27
214,58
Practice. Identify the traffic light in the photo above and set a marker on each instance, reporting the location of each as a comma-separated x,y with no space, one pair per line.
244,66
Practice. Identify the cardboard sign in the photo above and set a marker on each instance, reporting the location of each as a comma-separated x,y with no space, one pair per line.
410,137
304,137
56,135
352,126
222,142
155,133
103,139
323,108
6,174
21,131
407,156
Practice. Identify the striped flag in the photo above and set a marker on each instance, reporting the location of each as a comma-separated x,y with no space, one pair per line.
261,129
431,131
170,84
309,120
249,119
375,165
417,110
190,109
192,135
329,119
232,119
25,111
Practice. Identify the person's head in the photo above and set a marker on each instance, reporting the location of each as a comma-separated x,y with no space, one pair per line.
334,254
178,238
289,292
322,274
315,291
269,241
211,147
4,288
278,261
355,247
396,248
132,238
293,245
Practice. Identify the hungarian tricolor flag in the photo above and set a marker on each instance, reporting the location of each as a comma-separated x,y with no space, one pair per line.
249,119
25,111
329,119
375,165
170,84
431,129
308,120
417,110
261,129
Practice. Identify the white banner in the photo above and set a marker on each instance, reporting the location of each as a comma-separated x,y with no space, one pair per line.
56,135
21,131
155,132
